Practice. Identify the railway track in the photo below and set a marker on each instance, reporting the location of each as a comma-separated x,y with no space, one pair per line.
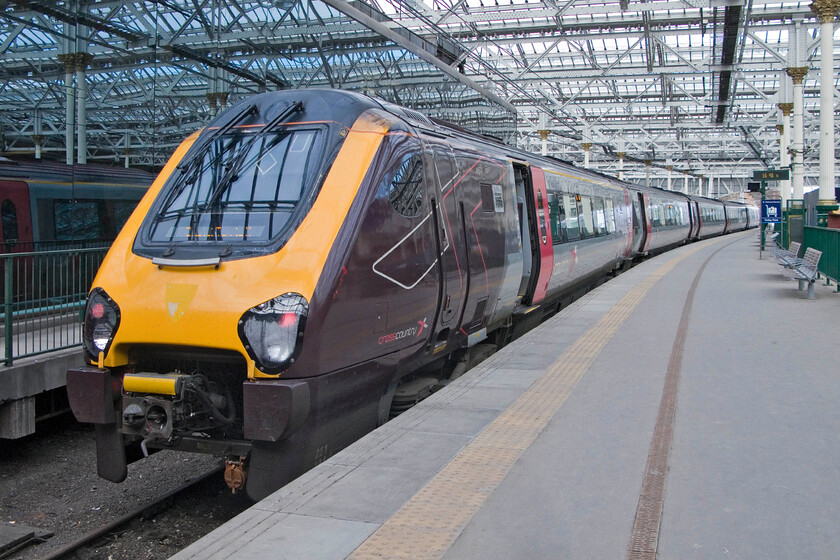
122,526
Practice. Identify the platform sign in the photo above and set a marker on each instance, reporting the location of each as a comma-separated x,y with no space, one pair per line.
771,211
772,175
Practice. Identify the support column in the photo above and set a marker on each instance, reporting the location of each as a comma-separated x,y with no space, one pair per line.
543,131
784,148
586,147
127,147
69,61
647,172
797,74
685,183
37,137
670,168
620,166
544,136
82,62
827,11
211,98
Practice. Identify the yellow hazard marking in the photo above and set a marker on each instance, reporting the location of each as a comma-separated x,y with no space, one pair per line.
430,522
153,384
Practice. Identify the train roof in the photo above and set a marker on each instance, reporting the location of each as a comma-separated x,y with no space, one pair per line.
344,107
78,172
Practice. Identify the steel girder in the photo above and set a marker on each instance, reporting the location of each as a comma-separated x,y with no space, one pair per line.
694,85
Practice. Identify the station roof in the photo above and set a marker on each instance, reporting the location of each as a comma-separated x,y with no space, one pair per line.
691,84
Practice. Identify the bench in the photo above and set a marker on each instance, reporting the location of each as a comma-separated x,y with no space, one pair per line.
788,257
804,270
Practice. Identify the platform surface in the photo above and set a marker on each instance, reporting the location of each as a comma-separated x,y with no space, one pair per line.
553,448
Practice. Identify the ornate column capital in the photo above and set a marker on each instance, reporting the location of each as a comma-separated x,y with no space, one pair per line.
786,108
213,99
83,60
544,134
826,10
797,73
621,155
586,146
780,128
76,61
69,61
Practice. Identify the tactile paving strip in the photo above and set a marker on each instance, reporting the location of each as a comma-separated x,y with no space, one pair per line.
427,525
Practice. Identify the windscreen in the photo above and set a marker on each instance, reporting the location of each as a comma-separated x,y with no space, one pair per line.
242,189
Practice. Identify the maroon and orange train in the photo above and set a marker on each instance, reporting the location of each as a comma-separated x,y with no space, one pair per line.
313,260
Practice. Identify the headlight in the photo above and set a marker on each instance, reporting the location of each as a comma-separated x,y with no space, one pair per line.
272,332
102,318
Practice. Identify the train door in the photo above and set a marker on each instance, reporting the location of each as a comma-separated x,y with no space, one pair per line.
542,247
644,223
627,220
448,213
692,221
696,206
639,228
16,228
521,183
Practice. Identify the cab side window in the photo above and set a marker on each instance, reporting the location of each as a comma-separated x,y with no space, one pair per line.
405,190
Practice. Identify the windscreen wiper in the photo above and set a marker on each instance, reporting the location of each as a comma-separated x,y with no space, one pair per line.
191,166
239,158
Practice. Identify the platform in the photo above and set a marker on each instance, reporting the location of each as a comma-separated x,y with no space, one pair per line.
686,409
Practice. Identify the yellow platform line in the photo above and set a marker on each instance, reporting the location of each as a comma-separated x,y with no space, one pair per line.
427,525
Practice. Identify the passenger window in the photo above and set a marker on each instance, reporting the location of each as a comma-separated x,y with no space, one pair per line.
406,189
541,217
660,215
76,220
610,215
598,214
587,227
10,222
557,218
572,222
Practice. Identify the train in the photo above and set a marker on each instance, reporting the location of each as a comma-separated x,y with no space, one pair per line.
48,205
313,262
47,211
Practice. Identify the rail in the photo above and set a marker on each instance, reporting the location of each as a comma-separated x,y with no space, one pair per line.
44,298
828,241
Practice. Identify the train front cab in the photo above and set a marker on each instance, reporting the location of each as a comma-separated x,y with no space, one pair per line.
189,314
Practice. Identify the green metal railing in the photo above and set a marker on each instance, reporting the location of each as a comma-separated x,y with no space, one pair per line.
828,241
44,298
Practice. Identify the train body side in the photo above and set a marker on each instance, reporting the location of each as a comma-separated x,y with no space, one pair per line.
45,205
407,247
712,217
737,218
